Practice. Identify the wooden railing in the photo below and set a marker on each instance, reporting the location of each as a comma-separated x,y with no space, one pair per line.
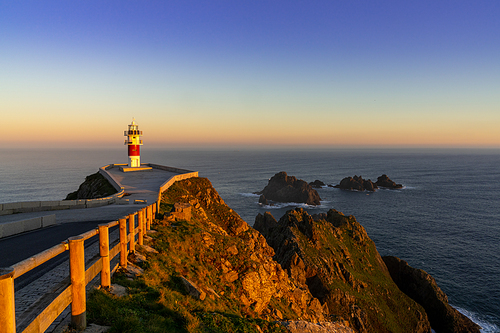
75,291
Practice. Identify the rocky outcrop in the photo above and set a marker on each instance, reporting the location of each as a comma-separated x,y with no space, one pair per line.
284,188
384,181
317,184
179,211
338,263
322,327
192,289
220,254
95,186
422,287
357,183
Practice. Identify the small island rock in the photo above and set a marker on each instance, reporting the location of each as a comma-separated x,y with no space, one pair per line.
284,188
384,181
357,183
317,184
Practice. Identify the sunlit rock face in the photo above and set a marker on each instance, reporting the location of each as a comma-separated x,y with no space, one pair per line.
222,255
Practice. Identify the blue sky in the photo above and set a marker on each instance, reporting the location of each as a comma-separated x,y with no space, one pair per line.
295,73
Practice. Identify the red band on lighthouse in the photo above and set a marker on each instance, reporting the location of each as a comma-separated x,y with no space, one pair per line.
134,150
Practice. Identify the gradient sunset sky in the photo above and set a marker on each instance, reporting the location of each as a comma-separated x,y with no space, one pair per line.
251,73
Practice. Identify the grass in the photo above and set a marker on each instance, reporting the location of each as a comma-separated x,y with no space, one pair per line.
166,309
158,300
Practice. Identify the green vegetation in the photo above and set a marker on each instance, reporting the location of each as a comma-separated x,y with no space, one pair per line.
196,250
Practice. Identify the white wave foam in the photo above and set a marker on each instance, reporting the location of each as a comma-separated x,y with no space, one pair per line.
280,205
250,195
326,187
486,327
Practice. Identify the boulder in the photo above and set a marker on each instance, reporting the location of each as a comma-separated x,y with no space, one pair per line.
192,289
384,181
421,287
284,188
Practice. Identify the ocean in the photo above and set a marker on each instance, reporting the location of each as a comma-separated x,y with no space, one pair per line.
446,219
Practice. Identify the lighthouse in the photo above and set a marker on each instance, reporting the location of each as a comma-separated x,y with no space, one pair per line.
134,143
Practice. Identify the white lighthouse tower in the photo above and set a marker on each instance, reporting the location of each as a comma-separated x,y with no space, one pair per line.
134,143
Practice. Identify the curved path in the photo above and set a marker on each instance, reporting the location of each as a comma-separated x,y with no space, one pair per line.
141,185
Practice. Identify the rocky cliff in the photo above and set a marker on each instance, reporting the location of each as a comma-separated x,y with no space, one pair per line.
335,259
227,258
95,186
422,287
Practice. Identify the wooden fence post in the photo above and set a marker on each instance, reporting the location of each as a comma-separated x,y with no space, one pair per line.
77,274
140,220
104,252
123,243
149,217
131,230
7,301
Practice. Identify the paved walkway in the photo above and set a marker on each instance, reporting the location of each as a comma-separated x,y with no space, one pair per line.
141,185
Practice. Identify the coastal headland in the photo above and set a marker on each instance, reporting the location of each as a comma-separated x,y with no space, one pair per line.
209,271
213,270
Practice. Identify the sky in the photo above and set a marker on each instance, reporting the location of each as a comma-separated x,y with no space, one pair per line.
251,73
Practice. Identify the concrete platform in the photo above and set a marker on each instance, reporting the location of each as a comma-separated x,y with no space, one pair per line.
141,189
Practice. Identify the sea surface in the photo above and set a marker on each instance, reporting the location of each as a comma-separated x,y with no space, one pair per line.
446,219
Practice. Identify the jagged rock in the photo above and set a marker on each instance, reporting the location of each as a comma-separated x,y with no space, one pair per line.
136,257
94,328
118,290
284,188
300,326
147,248
317,184
263,200
181,211
193,290
95,186
332,256
421,286
265,222
357,183
133,271
384,181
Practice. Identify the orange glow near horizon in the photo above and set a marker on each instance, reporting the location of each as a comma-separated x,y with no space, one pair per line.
192,133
